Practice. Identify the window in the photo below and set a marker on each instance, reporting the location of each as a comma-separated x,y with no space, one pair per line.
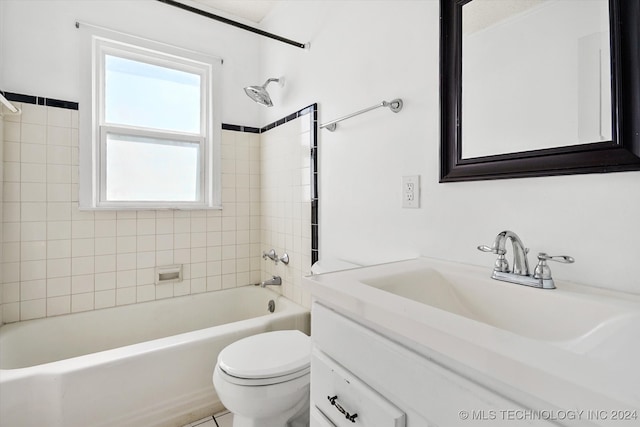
154,127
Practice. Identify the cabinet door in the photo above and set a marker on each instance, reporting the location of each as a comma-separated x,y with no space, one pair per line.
345,400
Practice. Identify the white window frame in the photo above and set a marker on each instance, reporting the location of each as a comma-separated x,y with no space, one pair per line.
94,129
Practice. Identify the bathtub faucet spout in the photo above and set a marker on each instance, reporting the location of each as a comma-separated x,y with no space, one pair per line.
274,281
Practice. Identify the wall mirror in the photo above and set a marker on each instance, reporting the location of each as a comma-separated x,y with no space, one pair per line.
538,87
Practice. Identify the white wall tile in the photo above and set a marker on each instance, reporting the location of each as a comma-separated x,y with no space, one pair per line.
59,117
33,153
82,265
32,251
105,281
11,292
125,296
58,211
57,155
58,267
146,243
33,192
33,133
146,259
82,284
105,299
82,247
145,293
58,230
105,245
32,309
33,211
57,306
126,261
33,289
58,286
105,263
33,114
82,229
125,278
57,135
82,302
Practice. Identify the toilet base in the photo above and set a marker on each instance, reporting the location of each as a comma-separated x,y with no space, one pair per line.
298,416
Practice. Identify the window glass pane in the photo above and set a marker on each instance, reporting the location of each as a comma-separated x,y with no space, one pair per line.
147,169
146,95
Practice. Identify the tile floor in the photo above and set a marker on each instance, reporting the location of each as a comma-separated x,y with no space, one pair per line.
223,419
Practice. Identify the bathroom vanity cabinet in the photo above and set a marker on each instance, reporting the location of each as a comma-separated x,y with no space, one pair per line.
388,385
423,343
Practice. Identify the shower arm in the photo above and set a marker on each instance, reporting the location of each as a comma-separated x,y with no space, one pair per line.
269,81
394,105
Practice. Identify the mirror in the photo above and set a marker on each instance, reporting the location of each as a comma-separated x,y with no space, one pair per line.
538,87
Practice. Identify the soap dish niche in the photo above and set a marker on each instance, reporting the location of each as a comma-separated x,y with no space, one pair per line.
169,274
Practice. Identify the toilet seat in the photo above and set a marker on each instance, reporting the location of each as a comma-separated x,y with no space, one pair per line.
267,358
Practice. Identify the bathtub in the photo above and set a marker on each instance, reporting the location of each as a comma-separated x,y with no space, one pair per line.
146,364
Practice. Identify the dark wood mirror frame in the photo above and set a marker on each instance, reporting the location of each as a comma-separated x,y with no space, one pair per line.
621,154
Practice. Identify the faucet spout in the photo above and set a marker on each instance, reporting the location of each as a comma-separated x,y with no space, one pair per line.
274,281
520,262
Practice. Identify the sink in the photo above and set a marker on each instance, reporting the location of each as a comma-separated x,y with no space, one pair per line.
551,315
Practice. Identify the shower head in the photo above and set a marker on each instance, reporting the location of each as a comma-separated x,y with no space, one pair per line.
259,93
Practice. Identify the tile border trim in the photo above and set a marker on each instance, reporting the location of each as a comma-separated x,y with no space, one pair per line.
39,100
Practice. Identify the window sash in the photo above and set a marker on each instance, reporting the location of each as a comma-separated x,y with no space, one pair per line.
125,51
202,184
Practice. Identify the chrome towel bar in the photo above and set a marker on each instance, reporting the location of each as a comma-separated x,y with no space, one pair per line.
394,105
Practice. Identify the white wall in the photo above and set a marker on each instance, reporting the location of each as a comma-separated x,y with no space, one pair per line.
365,51
41,50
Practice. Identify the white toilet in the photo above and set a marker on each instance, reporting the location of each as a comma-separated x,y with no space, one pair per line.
264,379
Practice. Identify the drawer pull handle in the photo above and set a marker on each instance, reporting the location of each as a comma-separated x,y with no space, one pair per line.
350,417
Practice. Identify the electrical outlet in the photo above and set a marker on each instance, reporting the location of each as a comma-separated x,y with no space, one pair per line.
411,191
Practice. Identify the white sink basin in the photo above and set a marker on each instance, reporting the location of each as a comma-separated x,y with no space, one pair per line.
544,314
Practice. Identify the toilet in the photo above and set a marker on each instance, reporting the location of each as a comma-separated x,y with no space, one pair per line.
264,379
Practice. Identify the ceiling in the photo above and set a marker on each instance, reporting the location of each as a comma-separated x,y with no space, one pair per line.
252,10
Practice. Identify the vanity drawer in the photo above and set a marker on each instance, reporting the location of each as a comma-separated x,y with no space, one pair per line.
345,400
318,419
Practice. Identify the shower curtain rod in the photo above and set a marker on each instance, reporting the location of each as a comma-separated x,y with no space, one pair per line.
234,23
9,105
394,105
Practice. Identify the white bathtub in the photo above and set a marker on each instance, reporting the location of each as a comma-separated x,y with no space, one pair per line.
140,365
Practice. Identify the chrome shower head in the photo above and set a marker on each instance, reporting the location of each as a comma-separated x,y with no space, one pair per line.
259,93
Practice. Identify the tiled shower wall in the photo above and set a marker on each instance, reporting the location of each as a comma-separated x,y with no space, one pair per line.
58,259
286,203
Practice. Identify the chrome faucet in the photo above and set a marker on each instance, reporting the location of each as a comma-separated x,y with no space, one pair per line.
274,281
273,256
541,277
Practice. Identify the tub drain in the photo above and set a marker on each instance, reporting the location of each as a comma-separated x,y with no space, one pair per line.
272,306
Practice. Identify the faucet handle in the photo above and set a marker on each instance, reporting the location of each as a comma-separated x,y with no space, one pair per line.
565,259
501,263
542,270
493,250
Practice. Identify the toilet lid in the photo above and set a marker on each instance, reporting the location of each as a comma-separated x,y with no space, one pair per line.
266,355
